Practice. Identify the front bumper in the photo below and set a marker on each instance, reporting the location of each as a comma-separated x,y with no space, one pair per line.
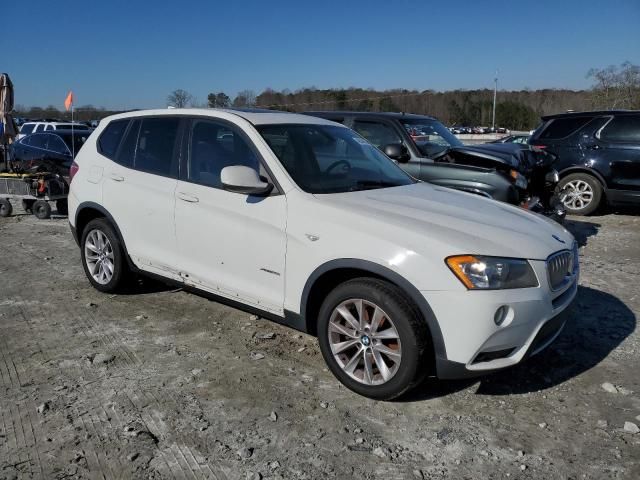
475,345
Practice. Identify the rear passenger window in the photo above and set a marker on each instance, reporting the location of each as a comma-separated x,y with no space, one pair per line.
625,129
563,127
38,141
110,138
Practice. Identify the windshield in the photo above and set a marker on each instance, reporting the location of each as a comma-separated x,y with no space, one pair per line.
430,136
331,159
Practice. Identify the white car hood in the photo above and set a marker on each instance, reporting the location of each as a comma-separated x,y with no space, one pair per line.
456,222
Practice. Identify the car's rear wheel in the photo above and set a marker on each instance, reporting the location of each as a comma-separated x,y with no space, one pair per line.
103,256
580,193
373,338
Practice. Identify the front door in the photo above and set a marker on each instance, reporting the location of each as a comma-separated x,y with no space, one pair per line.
230,244
381,133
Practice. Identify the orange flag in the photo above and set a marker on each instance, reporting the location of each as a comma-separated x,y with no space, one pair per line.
68,102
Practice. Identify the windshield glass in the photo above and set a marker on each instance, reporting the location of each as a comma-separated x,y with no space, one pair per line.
430,136
331,159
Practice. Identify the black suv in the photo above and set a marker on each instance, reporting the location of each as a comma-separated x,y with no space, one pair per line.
598,157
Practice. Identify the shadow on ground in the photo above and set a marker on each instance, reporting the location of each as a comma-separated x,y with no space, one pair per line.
141,284
597,324
582,230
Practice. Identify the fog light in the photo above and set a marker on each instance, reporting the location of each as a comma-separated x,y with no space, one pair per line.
500,315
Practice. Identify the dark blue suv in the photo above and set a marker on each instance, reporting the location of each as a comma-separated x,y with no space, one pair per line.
598,157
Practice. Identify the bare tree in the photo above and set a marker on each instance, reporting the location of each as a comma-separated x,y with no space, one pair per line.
245,98
616,86
179,98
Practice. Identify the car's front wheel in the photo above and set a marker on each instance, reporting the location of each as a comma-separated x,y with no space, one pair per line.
373,338
103,256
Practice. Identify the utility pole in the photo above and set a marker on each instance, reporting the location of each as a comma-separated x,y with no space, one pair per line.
495,94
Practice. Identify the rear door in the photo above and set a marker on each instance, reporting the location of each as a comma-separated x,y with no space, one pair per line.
230,244
619,147
139,191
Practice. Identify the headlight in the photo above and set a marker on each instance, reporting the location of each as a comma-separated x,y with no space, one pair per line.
519,179
490,273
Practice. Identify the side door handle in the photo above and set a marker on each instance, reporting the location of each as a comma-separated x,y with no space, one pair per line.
117,178
188,198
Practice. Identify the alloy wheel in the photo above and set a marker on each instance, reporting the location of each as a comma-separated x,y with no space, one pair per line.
577,194
364,341
98,254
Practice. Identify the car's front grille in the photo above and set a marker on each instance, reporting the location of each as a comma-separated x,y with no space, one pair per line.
560,267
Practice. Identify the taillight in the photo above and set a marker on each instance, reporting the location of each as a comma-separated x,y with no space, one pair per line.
538,148
73,170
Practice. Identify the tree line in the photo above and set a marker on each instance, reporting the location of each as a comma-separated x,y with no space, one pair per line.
613,87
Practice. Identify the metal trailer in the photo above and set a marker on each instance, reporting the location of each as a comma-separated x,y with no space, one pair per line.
35,190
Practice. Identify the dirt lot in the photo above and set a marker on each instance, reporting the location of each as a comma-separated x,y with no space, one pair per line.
161,383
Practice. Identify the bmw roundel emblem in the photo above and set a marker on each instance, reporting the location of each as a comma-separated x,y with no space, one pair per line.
558,239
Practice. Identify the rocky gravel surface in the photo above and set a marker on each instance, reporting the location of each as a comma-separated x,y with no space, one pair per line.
160,383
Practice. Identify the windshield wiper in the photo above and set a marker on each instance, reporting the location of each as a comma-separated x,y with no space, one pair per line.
365,184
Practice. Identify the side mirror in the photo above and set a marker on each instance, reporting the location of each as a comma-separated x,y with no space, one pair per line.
242,179
396,151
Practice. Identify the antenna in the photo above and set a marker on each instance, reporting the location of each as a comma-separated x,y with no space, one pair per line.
495,94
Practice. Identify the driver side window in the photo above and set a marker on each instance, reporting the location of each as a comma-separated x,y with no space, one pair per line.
377,133
214,146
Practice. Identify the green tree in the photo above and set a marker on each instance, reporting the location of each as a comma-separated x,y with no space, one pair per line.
218,100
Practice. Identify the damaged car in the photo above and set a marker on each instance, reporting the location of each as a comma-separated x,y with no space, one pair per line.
426,149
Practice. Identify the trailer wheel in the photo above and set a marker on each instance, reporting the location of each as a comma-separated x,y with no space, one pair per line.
62,206
41,209
27,205
5,207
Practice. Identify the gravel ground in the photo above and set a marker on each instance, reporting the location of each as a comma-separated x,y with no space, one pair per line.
160,383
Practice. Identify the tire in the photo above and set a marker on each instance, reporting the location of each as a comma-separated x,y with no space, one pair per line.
41,209
5,207
62,207
400,319
580,193
99,238
27,205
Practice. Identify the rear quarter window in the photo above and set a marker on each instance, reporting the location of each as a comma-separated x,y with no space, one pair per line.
111,137
563,127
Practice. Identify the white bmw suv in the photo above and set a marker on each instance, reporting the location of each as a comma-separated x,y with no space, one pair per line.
302,221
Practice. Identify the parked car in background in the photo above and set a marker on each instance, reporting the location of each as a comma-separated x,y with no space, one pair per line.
427,150
52,151
45,126
598,157
304,222
521,139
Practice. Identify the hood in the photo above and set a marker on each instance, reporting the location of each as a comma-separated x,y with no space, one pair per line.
454,222
514,155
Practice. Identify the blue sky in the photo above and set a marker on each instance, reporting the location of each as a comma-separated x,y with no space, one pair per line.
128,54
